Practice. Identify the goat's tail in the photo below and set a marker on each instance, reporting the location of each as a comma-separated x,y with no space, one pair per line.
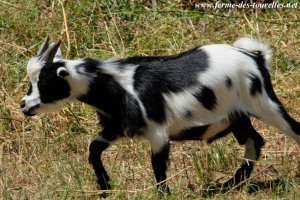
253,45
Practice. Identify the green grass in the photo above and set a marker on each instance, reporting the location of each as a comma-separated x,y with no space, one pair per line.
46,157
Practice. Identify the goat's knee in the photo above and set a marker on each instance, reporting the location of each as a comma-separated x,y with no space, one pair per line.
96,148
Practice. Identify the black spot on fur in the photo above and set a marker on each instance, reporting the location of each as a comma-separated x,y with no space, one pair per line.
243,129
255,86
228,82
51,87
90,66
110,97
207,98
188,114
157,75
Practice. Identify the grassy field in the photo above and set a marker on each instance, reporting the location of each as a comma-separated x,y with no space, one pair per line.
45,157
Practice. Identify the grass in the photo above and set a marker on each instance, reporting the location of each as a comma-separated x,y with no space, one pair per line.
45,157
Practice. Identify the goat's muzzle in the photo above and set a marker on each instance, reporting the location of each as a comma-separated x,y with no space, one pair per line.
28,111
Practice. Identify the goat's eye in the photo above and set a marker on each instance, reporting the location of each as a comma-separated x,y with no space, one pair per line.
51,87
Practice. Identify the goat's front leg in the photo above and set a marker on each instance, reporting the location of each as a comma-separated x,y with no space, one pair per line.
160,154
101,143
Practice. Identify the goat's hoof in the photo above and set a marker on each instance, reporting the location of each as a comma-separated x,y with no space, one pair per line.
214,188
164,190
103,195
210,190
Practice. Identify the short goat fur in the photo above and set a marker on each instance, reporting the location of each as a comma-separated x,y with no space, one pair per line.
201,94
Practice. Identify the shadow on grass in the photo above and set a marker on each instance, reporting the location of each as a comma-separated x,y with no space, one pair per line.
277,186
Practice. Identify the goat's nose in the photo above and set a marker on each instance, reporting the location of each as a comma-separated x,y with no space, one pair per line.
23,104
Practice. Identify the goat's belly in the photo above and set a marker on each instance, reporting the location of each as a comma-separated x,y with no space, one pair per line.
215,129
196,131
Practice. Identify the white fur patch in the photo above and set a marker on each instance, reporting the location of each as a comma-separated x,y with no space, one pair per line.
178,105
225,61
156,135
79,82
254,45
33,99
34,67
123,76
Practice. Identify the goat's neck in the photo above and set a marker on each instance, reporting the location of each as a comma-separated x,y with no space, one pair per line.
95,84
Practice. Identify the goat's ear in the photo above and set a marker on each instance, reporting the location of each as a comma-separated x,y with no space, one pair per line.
50,53
44,46
62,72
58,53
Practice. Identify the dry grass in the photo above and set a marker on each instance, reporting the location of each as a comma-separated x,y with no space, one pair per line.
45,157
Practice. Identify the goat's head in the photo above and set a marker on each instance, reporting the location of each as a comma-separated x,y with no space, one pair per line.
49,88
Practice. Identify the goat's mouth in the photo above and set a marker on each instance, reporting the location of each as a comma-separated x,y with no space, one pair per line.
30,112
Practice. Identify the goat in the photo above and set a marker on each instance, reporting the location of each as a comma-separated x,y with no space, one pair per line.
201,94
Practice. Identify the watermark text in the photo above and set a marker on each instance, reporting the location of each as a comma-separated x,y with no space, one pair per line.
242,5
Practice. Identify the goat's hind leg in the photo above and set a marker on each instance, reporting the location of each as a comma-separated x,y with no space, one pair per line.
271,111
248,136
267,107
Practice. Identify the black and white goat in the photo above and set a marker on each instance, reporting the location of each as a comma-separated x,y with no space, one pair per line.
201,94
